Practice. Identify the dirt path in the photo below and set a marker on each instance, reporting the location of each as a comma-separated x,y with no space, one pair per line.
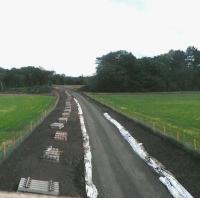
26,160
117,171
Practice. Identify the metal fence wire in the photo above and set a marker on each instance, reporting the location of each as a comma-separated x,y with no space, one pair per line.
173,132
185,137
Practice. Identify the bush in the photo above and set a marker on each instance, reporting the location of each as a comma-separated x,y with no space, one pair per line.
29,90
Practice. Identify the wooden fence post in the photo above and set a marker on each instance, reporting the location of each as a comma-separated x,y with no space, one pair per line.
177,135
154,126
4,149
195,144
14,140
31,126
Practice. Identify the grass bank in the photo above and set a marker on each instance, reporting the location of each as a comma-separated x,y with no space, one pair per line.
173,114
19,114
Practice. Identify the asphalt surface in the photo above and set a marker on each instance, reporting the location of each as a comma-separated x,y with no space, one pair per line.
117,170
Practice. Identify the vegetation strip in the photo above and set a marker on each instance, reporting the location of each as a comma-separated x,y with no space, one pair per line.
121,71
174,187
91,190
174,115
17,135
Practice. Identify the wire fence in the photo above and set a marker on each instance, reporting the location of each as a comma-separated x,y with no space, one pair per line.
186,137
7,147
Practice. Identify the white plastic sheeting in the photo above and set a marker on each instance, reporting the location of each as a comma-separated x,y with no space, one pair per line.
90,187
174,187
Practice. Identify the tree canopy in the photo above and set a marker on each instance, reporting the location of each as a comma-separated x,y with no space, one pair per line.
122,71
34,76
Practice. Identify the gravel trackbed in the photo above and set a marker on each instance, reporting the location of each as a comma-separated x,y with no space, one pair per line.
26,160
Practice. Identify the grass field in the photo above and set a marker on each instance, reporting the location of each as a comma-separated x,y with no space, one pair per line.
18,111
175,114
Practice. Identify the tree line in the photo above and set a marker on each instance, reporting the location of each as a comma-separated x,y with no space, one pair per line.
34,76
120,71
173,71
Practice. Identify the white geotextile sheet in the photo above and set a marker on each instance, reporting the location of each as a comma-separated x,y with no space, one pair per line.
90,187
174,187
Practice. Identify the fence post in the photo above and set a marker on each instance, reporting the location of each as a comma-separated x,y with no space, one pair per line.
4,149
195,144
177,135
14,142
154,126
21,136
164,130
31,125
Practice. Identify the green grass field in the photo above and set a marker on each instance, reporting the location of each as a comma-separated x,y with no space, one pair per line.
18,111
175,114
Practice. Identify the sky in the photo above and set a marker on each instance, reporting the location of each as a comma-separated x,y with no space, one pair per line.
67,35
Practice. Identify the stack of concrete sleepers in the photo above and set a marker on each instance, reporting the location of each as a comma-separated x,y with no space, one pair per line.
51,154
38,186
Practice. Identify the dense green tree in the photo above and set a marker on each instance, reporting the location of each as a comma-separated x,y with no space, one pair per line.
115,71
2,75
34,76
121,71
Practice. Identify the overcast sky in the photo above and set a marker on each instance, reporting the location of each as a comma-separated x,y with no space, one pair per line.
67,35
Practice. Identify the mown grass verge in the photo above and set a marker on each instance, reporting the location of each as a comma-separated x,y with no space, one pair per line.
19,115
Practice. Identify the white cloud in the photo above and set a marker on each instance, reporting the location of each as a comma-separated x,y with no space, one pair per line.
67,35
